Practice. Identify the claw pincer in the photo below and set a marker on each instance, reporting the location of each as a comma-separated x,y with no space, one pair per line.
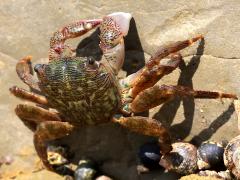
113,28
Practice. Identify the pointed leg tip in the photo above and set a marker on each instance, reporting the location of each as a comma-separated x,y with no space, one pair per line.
198,37
235,97
13,89
231,96
25,59
28,58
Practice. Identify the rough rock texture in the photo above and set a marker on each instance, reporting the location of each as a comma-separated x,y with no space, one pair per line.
197,177
26,27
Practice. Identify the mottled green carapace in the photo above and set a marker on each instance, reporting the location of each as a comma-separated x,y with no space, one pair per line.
80,88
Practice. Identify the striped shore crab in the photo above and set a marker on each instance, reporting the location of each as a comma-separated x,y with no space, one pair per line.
72,92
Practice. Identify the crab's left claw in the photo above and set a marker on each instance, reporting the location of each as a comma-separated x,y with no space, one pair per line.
112,30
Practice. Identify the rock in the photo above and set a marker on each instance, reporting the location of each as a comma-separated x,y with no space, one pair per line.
86,170
149,155
26,165
103,178
181,159
210,155
226,175
39,175
28,25
197,177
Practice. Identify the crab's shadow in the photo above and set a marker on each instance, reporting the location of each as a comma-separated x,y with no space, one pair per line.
207,133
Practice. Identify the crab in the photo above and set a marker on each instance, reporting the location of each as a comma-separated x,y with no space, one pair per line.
74,92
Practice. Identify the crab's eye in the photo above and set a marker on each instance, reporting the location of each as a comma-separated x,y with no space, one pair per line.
38,68
91,61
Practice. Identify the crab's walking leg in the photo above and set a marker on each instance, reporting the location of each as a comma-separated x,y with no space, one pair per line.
149,127
32,115
37,114
25,73
48,131
72,30
150,78
155,69
157,95
47,125
169,49
27,95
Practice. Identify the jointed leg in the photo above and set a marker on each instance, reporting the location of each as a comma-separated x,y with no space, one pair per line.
30,124
27,95
31,116
149,78
164,51
48,131
25,72
149,127
47,126
155,69
157,95
73,30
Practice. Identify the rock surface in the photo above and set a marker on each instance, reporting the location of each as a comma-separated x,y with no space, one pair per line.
26,29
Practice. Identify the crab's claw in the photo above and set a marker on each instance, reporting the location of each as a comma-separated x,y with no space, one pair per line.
122,20
112,30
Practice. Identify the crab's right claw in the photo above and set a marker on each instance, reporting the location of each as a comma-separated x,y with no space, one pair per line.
122,20
112,30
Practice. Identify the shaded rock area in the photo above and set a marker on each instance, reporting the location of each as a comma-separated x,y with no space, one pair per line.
212,65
